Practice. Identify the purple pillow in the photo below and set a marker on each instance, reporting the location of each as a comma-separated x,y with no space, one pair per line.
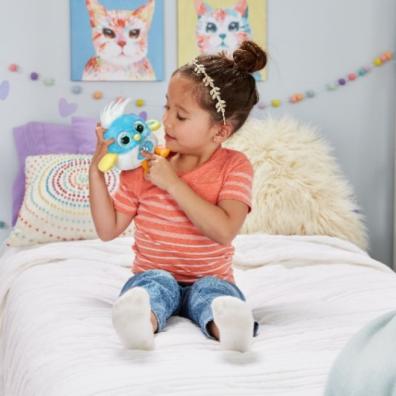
36,138
84,133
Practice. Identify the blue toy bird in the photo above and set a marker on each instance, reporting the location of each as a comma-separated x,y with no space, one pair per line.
132,134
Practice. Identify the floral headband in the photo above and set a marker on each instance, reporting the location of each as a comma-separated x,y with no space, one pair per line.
214,91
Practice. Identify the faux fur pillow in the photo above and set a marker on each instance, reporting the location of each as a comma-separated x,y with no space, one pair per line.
298,188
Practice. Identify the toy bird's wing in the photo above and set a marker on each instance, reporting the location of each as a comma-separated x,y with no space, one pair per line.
112,111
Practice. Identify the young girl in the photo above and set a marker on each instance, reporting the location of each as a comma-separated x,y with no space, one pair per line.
187,208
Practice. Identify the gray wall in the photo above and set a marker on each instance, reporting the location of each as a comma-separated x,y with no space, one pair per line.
310,43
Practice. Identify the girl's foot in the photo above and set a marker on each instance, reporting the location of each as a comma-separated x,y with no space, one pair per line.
235,322
132,319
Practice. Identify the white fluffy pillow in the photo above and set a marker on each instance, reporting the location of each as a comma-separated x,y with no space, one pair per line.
298,188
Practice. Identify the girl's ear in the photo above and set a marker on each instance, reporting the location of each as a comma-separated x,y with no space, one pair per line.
223,133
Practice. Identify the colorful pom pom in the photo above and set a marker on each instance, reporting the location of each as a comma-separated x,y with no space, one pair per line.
352,76
276,102
13,67
296,98
97,95
331,87
377,62
49,82
76,89
139,102
362,72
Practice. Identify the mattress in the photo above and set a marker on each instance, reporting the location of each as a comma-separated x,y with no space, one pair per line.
311,294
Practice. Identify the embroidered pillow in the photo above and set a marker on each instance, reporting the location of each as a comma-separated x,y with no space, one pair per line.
56,202
41,138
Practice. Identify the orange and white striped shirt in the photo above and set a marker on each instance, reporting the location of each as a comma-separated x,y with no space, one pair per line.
165,238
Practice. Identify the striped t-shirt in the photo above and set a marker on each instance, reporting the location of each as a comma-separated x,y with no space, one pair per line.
165,238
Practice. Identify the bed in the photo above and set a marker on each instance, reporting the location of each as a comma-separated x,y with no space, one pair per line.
300,259
309,293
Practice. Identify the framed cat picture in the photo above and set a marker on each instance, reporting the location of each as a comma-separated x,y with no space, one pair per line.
117,40
212,26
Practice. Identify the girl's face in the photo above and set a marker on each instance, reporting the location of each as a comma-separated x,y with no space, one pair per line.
189,129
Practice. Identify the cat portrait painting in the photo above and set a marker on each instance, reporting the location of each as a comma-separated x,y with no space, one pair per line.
219,26
117,40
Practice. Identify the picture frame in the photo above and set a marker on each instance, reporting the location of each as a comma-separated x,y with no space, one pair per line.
117,40
212,26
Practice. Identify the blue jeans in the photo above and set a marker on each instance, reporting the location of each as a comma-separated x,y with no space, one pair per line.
192,301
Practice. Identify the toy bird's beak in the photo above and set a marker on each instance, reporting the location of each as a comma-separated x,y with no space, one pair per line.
107,162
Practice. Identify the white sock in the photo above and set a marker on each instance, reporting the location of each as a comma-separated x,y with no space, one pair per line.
132,319
235,322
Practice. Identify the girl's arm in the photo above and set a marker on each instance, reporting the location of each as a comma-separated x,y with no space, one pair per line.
109,223
220,223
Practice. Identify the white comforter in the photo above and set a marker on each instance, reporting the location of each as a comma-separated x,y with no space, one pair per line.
310,294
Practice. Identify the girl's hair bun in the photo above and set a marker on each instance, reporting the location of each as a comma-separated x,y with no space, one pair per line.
249,57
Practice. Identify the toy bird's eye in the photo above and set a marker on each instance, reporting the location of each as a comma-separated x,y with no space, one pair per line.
139,127
124,139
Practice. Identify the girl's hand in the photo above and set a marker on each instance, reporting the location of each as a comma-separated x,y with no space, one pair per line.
101,146
160,171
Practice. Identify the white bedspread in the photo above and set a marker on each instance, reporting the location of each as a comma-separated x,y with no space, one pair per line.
310,294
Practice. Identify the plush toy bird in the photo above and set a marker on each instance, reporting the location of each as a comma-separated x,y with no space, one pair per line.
132,135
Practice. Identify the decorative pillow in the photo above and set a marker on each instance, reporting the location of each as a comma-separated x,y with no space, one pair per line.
35,138
84,132
298,188
56,202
